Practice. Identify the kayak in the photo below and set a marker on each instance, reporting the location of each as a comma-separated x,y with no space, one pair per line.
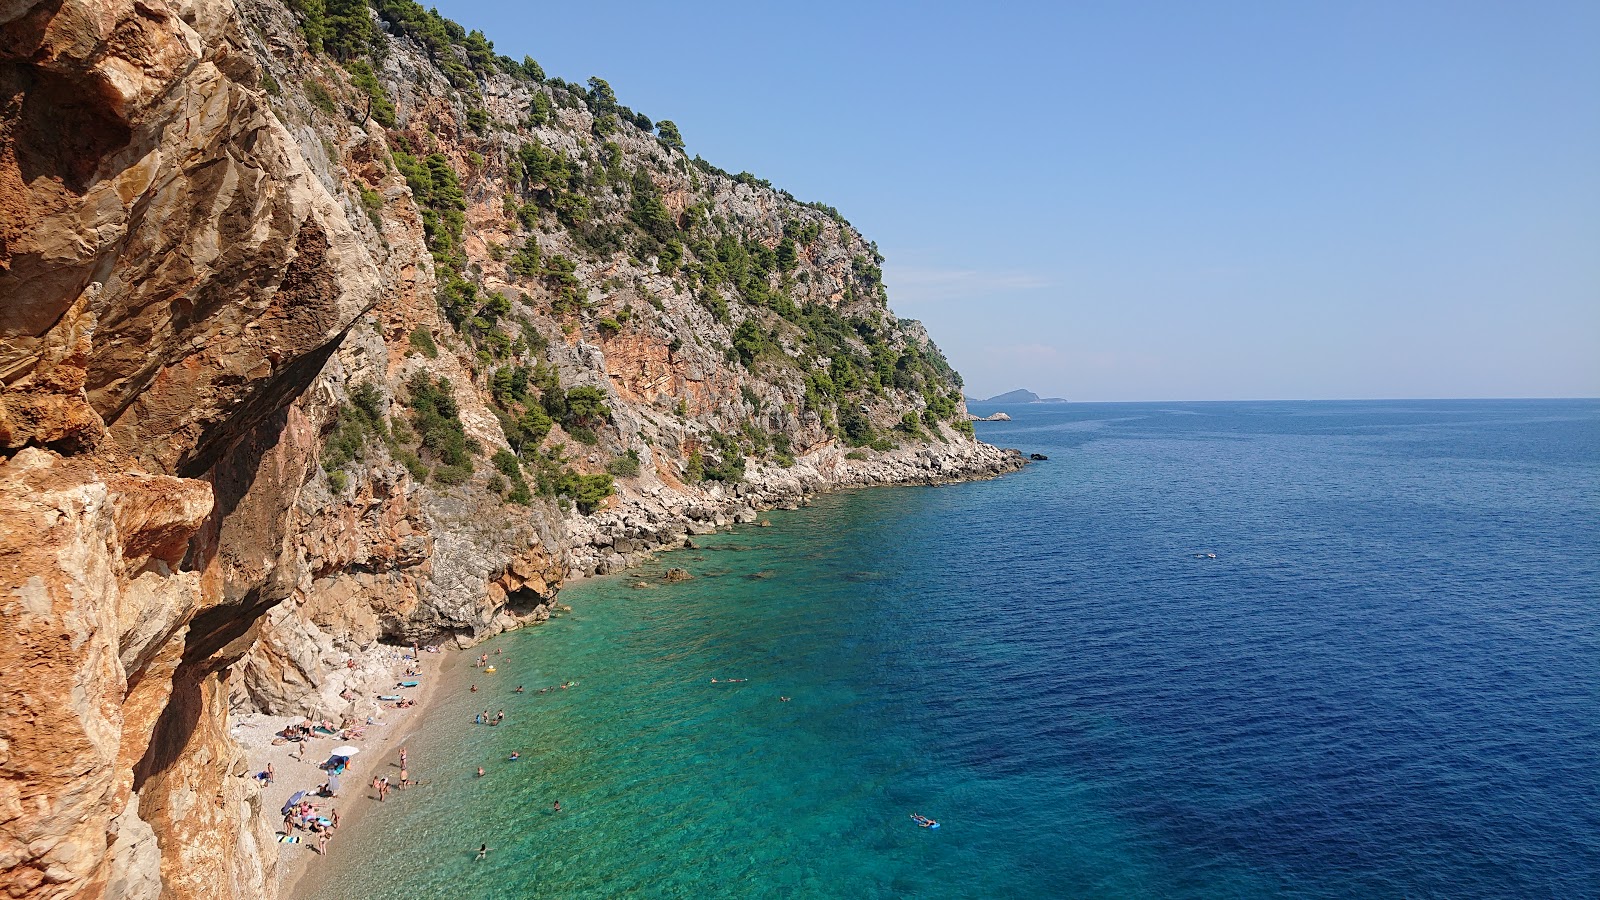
490,670
409,683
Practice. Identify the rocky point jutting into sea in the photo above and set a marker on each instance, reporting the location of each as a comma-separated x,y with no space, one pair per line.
325,327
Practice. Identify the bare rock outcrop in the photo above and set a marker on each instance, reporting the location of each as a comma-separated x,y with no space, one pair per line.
174,278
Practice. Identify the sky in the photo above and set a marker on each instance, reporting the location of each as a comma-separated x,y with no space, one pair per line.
1163,201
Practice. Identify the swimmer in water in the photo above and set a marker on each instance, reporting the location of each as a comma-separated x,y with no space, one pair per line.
483,850
480,771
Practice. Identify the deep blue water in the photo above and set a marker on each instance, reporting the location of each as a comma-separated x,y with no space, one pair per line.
1385,684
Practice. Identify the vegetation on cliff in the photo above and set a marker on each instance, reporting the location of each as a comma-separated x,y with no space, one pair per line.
578,184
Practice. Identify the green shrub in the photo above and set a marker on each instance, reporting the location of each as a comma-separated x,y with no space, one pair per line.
320,98
372,202
586,406
422,341
510,467
336,481
584,435
525,261
588,491
624,466
452,474
379,106
669,134
438,425
413,464
353,426
911,425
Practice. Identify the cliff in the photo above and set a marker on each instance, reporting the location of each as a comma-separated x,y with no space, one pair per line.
323,327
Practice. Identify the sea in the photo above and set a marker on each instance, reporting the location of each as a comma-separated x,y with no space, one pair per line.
1273,649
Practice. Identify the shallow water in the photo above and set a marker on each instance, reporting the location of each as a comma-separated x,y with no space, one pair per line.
1384,684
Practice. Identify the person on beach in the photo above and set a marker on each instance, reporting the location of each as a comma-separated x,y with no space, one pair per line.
402,757
375,784
483,850
322,844
500,717
334,818
270,774
403,776
477,719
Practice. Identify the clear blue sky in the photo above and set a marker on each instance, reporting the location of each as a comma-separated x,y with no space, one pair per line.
1162,201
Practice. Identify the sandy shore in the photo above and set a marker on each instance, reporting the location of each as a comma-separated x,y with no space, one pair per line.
380,746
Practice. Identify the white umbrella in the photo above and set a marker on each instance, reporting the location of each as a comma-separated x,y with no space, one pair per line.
346,751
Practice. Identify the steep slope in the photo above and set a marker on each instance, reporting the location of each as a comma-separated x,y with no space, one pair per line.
326,326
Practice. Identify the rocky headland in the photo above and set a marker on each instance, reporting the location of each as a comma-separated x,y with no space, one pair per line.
324,329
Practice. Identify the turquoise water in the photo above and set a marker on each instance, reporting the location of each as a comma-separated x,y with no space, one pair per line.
1387,682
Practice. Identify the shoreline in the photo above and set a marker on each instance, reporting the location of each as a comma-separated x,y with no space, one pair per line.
379,745
297,861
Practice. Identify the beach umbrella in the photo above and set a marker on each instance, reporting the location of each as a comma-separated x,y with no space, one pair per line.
346,751
298,796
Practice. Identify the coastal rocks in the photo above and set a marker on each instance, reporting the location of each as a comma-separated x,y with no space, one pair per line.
641,524
995,417
676,575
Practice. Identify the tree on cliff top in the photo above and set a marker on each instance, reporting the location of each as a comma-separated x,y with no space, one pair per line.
668,130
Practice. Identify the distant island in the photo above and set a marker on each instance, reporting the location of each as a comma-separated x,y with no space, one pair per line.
1019,396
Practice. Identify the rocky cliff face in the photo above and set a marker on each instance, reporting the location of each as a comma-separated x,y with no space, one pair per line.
306,345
